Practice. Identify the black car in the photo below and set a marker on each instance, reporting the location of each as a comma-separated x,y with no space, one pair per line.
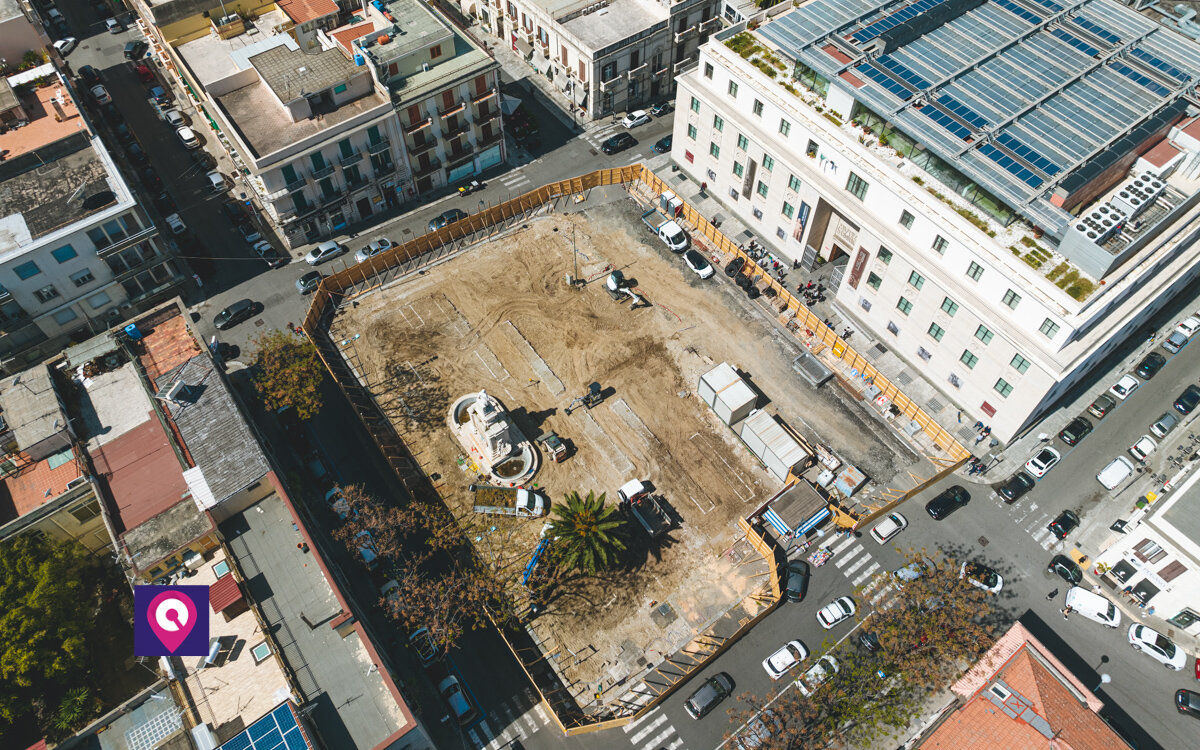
796,582
1188,399
233,211
870,642
1150,365
947,502
1188,702
102,9
663,145
446,218
135,50
112,114
1063,567
124,134
150,178
617,143
1077,429
136,154
239,311
164,203
89,75
202,159
1064,524
1014,488
734,267
714,690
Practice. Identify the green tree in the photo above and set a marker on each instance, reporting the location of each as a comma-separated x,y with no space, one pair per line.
47,611
587,535
288,372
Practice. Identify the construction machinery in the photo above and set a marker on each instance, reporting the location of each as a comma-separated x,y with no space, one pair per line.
592,398
555,446
621,289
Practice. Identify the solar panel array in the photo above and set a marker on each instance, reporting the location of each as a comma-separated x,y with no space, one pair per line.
1092,73
275,731
894,20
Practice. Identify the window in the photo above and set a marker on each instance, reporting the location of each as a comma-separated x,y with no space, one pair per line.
1012,299
785,127
743,142
857,186
1002,387
86,512
98,238
865,304
936,332
27,270
1049,328
733,87
83,278
949,306
708,71
695,104
974,270
758,107
906,219
968,359
924,353
893,328
983,334
99,300
64,253
916,280
788,210
64,316
692,132
714,150
885,255
794,184
718,123
738,169
762,189
46,293
940,244
904,306
436,51
811,149
874,281
768,163
1019,363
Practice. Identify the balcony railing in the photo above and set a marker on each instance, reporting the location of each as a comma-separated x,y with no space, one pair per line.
680,36
433,166
353,158
127,242
488,116
323,172
485,95
456,128
385,169
459,157
296,184
455,108
378,146
418,125
635,71
422,147
487,140
605,84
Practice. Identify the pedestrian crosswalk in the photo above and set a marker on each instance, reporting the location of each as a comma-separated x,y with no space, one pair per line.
515,181
601,134
515,720
1035,521
653,731
865,573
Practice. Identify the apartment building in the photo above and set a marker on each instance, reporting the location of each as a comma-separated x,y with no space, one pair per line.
77,252
603,56
20,31
1000,212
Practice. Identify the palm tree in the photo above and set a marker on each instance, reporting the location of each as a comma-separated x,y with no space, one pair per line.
587,534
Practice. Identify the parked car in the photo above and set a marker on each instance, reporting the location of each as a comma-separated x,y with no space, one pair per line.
891,525
1103,404
248,232
1188,400
124,134
164,203
981,576
1188,326
64,46
135,50
1076,430
1017,485
816,675
1066,522
421,641
947,502
323,252
143,72
160,95
174,118
1066,569
272,257
1157,646
452,692
839,609
1150,365
1093,606
1115,472
100,94
150,179
1164,424
1124,387
1188,702
233,211
617,143
1142,449
338,503
1175,341
706,697
365,544
698,263
635,118
782,661
446,218
797,581
373,248
89,75
911,572
308,282
662,145
239,311
188,137
111,114
1042,462
660,109
114,26
175,222
101,8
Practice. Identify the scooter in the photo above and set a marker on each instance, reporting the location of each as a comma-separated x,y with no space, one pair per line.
470,187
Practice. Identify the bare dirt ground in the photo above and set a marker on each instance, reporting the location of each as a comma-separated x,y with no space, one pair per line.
501,317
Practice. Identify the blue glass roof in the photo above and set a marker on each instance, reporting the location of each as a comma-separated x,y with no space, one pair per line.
277,730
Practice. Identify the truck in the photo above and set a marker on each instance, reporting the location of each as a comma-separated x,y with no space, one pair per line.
508,501
667,230
647,509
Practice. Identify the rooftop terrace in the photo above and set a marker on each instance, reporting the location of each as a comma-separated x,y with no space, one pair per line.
618,20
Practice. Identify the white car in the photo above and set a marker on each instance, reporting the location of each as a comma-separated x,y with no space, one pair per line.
174,117
64,46
175,223
981,577
635,118
374,248
188,137
100,94
817,674
698,263
836,611
1042,462
1125,386
1188,326
114,26
323,252
1142,449
787,657
1158,646
890,526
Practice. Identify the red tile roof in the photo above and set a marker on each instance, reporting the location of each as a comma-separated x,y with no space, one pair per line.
347,34
166,346
142,474
1162,153
224,592
39,484
303,11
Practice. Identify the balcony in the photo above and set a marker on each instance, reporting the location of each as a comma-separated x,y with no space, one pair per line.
358,184
487,140
458,127
294,185
433,166
661,71
680,36
633,72
489,116
378,146
127,242
459,157
353,158
484,96
323,172
384,170
422,147
418,125
605,85
453,109
712,23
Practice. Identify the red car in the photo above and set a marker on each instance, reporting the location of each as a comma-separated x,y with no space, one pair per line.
144,73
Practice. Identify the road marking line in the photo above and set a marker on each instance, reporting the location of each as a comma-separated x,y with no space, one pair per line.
676,744
633,724
657,741
1049,543
485,730
529,722
1039,534
866,574
658,721
842,544
541,712
838,563
475,739
861,561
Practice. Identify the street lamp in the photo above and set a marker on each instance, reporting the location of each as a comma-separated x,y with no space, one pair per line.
1104,680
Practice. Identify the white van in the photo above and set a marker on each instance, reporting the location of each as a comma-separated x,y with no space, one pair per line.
1116,472
1093,606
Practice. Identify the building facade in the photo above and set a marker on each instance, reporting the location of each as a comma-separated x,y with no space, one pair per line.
962,256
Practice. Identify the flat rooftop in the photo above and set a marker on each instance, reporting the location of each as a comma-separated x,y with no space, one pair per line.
963,77
145,723
40,107
618,20
212,58
266,128
414,27
357,710
291,73
111,405
165,534
30,406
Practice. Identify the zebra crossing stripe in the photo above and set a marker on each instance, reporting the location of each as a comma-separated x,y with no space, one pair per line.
842,544
866,574
657,741
839,563
540,710
861,562
641,733
474,738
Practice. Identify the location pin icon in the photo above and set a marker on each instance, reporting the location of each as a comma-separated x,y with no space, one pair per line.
171,616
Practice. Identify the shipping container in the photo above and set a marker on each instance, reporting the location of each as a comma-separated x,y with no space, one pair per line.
777,449
715,380
735,403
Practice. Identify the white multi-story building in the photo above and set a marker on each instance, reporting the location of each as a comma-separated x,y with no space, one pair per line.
1006,189
77,253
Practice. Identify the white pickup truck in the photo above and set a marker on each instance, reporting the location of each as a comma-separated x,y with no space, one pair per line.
508,501
667,230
